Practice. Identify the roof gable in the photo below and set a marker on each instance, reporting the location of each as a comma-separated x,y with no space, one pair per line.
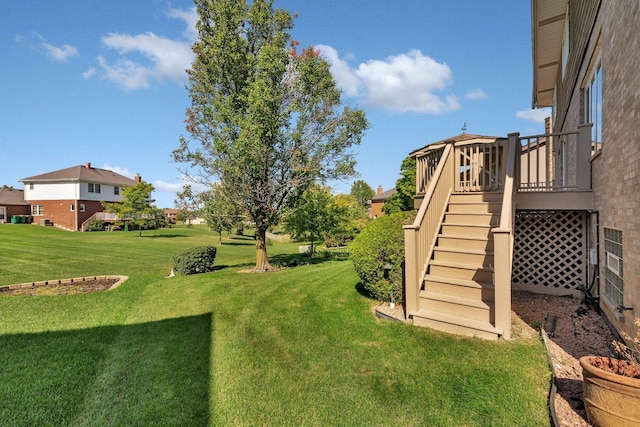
84,173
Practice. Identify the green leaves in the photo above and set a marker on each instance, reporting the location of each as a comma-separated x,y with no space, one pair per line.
264,121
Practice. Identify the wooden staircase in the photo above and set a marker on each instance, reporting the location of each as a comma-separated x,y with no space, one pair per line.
457,294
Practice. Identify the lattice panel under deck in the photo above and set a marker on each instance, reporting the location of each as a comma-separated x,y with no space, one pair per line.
550,251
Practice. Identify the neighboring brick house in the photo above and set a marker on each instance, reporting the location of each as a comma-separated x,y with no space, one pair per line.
378,201
12,203
170,215
69,197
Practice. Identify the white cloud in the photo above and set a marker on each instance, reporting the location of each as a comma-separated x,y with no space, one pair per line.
168,59
403,83
342,72
90,72
167,187
537,115
60,53
117,169
162,58
476,95
190,17
55,53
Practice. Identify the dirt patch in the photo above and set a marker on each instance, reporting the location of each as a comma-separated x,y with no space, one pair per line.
81,285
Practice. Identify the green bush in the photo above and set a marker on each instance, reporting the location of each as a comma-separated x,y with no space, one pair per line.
193,260
381,242
95,224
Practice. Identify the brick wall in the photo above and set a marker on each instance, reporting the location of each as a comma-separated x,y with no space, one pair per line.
60,214
616,170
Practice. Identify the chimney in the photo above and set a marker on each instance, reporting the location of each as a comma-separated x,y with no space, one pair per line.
138,178
380,190
87,165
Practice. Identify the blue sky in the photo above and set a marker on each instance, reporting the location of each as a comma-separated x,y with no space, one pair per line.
104,81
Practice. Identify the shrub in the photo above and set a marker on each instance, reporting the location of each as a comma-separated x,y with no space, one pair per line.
381,242
95,224
193,260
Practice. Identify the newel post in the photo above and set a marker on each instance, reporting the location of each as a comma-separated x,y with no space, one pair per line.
410,269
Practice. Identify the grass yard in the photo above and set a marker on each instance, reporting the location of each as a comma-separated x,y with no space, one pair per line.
294,347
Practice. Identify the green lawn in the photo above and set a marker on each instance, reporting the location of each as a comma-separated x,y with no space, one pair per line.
294,347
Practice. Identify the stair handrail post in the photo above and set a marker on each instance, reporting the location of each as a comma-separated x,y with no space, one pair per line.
503,244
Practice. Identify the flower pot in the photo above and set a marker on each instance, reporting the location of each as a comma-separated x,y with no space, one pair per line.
610,399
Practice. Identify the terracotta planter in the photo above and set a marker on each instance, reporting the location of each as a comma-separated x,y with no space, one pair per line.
610,399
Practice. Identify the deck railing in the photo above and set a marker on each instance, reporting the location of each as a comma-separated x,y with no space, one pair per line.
481,166
555,161
420,237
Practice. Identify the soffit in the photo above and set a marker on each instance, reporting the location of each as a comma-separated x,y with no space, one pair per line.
547,27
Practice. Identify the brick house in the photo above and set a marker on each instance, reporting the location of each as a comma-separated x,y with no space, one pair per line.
556,213
378,201
12,203
69,197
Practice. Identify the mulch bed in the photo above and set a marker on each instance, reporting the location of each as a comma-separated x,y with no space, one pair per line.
62,287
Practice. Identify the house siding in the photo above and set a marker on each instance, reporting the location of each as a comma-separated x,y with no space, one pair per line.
60,214
615,171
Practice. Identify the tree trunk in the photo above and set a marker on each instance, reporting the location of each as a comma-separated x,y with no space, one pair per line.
262,262
311,246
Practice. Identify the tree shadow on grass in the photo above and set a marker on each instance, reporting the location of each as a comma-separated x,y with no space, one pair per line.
295,260
154,373
163,236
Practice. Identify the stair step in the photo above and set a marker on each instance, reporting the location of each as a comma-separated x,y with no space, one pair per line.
475,207
463,255
468,308
472,218
459,287
475,243
476,197
468,230
479,273
455,325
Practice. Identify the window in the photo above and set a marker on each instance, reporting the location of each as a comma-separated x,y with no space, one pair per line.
94,188
592,101
31,186
82,208
116,190
72,207
613,274
36,210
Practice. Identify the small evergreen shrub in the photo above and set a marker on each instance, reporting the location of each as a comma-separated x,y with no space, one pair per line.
193,260
381,242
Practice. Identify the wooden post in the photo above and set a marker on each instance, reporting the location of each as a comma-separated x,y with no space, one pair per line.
410,269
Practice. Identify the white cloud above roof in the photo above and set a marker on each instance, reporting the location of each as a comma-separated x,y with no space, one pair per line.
157,58
408,82
476,95
538,115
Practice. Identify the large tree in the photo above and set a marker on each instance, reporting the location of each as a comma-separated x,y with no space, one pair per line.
265,121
